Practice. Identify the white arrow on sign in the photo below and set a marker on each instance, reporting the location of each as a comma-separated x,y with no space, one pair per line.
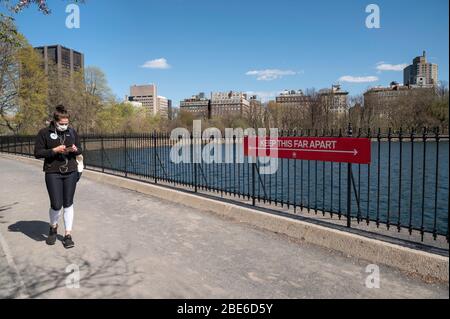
354,152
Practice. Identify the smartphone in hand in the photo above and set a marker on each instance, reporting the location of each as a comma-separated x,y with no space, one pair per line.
69,149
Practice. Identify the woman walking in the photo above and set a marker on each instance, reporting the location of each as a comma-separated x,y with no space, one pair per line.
59,145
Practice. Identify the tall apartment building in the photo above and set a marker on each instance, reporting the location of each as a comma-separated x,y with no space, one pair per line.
162,106
198,105
170,110
421,72
229,103
293,99
66,61
145,94
148,96
335,99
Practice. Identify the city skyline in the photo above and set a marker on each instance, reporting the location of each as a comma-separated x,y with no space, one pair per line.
293,52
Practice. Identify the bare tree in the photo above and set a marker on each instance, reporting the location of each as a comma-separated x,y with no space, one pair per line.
315,110
255,114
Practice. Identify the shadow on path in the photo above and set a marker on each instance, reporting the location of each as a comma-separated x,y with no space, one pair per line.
34,229
7,207
4,209
110,276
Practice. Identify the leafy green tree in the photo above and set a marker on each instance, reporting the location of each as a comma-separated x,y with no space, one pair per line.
118,118
8,31
32,95
23,87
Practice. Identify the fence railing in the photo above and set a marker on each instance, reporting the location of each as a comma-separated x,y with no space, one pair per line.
405,188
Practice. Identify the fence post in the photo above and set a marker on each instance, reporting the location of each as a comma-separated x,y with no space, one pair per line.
126,155
84,151
102,155
436,183
253,182
349,185
194,162
154,157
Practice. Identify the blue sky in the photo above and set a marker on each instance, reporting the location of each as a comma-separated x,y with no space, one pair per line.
212,45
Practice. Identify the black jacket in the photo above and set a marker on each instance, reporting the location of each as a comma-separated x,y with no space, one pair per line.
47,139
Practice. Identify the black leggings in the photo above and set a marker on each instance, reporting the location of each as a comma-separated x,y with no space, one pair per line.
61,189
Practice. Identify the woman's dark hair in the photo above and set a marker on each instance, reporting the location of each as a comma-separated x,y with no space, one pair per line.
61,113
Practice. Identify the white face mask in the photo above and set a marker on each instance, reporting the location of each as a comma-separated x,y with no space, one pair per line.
62,128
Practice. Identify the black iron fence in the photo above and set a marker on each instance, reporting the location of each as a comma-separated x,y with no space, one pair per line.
405,188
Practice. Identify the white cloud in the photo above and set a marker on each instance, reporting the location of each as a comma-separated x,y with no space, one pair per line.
270,74
382,66
156,64
358,79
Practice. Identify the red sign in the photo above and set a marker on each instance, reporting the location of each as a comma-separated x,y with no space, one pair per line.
326,149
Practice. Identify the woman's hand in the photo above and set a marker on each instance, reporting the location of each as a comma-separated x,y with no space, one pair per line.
60,149
71,149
